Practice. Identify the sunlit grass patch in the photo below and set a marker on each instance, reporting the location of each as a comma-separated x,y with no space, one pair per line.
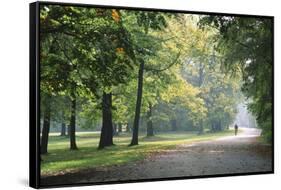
61,160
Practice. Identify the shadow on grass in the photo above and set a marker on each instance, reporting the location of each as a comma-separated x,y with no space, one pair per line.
61,160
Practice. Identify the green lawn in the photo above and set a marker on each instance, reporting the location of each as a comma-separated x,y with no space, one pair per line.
60,159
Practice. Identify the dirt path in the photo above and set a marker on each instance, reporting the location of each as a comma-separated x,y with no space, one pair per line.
232,154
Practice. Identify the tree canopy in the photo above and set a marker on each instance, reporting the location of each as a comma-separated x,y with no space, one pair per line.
151,71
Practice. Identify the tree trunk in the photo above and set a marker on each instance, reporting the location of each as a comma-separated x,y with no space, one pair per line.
73,145
200,83
63,130
219,126
106,138
135,140
45,130
149,131
119,128
213,126
128,127
201,128
216,126
174,125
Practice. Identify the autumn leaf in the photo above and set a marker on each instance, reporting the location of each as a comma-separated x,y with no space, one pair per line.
115,15
120,50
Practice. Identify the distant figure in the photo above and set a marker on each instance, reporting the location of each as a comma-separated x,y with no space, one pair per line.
236,129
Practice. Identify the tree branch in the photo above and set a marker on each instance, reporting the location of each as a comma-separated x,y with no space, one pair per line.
163,69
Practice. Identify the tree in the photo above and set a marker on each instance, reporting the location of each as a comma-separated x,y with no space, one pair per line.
50,84
97,51
138,106
246,45
63,130
46,126
144,49
72,124
182,94
106,138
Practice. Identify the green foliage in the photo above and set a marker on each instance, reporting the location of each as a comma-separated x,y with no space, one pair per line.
246,46
192,76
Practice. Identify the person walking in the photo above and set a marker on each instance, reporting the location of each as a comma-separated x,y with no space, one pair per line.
236,129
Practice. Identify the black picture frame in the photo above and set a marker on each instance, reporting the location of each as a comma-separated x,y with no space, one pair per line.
34,92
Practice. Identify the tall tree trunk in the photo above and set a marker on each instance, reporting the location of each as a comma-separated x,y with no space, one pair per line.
63,129
46,130
128,127
219,126
201,128
216,126
213,126
135,139
174,124
149,131
106,138
200,83
119,128
72,130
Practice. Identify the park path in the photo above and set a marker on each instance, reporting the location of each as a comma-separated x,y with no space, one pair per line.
226,155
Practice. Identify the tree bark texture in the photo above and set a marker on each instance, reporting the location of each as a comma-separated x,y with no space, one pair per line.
135,139
106,138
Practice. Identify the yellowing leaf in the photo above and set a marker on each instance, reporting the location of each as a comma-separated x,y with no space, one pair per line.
115,15
120,50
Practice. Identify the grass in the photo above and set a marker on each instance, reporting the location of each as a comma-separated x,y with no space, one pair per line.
61,160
